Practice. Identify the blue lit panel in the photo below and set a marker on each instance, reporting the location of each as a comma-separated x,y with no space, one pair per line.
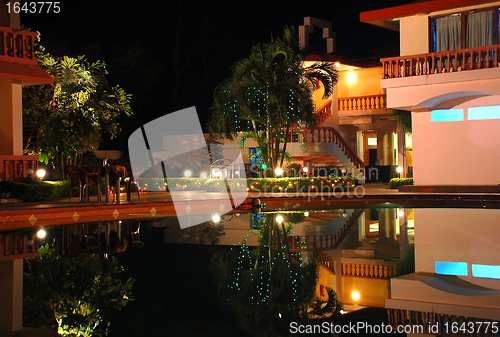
452,115
484,112
451,268
481,270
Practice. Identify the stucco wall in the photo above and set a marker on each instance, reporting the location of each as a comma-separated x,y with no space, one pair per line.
414,33
367,82
456,153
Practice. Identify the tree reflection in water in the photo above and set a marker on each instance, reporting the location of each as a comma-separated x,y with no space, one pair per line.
268,286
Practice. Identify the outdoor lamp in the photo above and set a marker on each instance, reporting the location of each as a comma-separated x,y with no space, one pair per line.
400,212
215,218
355,295
399,170
278,171
203,175
40,173
41,234
279,218
305,169
187,173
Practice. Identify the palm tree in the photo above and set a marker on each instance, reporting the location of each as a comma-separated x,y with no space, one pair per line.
268,92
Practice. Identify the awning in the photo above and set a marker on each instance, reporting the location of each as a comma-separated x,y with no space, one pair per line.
28,74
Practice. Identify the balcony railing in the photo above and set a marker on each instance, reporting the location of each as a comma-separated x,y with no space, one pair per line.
324,134
325,241
16,167
362,103
441,324
17,45
442,62
17,246
368,270
324,112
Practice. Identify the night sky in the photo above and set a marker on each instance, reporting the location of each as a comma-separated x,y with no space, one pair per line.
171,54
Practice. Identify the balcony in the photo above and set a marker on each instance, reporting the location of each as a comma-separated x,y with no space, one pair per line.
369,102
17,57
442,62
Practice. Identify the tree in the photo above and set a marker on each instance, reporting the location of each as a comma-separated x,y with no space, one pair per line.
268,92
403,117
264,287
73,295
65,119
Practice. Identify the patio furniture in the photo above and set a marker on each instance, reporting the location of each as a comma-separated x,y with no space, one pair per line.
113,174
82,178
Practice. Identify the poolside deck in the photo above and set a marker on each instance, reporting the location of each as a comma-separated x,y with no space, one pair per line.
159,204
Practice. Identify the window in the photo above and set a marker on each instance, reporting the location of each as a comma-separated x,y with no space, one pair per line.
481,270
451,268
465,30
451,115
483,112
479,30
447,33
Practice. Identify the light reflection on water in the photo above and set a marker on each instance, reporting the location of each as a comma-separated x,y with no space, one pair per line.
358,250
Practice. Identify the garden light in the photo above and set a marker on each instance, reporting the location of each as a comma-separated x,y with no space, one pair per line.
306,213
279,218
355,295
305,169
399,170
400,213
40,173
216,218
41,234
278,171
187,173
203,175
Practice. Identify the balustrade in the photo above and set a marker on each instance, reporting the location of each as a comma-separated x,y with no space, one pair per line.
325,241
17,45
368,270
325,135
447,325
16,167
442,62
17,246
362,103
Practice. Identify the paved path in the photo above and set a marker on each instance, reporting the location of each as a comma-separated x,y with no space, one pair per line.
159,204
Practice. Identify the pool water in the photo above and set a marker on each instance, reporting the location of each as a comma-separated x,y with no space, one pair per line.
358,249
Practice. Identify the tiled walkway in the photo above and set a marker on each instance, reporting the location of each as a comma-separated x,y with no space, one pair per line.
159,204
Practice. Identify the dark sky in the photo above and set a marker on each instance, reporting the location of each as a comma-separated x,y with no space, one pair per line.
170,54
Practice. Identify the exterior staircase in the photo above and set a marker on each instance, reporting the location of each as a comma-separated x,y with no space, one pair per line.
323,141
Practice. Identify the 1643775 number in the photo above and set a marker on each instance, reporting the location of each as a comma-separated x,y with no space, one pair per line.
470,327
33,7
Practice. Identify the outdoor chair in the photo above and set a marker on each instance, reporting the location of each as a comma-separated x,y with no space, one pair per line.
82,178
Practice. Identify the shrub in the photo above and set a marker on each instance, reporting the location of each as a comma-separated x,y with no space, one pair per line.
34,190
176,184
396,182
219,185
277,185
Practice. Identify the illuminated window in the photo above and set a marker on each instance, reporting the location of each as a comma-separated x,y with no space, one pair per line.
451,268
372,141
484,112
452,115
481,270
373,227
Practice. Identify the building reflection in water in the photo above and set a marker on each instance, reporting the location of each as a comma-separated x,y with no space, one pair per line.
456,254
358,250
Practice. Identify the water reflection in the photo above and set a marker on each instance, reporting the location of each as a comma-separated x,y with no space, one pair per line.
263,268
